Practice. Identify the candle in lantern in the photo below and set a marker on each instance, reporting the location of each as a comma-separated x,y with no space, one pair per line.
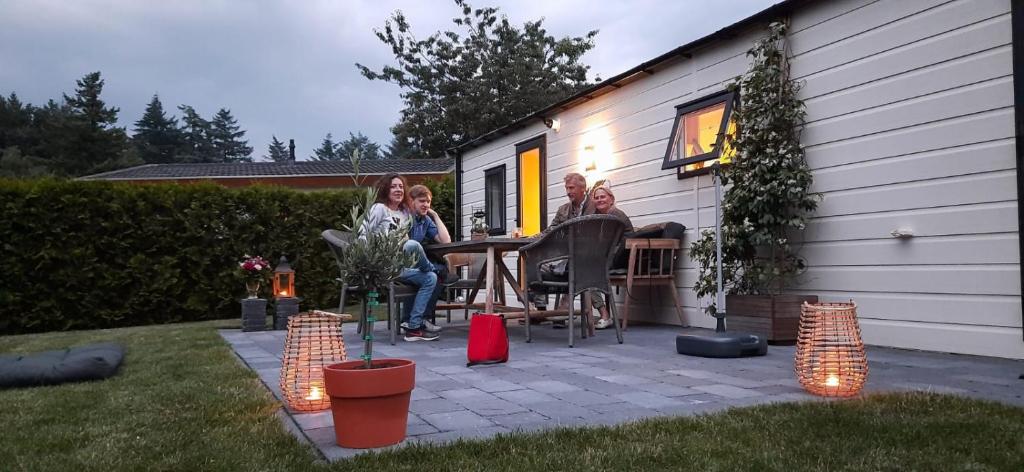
314,394
832,381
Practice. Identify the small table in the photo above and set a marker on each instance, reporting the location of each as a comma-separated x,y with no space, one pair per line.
494,247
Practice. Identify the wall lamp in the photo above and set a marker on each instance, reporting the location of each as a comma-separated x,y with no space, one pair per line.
552,123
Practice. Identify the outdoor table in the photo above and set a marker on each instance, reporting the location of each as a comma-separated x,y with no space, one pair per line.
494,248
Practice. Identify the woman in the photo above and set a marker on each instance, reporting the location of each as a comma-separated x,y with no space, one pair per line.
604,204
392,212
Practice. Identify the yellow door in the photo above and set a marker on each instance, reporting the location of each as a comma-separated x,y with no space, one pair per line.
532,203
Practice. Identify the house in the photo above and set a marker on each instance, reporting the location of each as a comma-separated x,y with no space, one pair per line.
910,132
306,175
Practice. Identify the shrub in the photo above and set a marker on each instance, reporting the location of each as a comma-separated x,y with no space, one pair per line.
88,255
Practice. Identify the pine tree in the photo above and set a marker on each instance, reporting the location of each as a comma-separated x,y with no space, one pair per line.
97,142
276,151
328,150
157,137
367,149
227,139
197,144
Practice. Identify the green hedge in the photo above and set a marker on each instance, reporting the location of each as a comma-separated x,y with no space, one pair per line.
87,255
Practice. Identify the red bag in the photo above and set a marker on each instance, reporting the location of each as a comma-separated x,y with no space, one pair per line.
488,339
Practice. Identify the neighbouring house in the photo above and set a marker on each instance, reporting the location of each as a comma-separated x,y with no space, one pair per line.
910,132
304,175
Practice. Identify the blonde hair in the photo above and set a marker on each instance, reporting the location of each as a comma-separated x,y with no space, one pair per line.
420,191
606,189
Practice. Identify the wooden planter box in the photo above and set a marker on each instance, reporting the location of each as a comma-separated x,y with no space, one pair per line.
776,317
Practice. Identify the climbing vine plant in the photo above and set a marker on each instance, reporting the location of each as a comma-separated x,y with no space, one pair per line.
768,193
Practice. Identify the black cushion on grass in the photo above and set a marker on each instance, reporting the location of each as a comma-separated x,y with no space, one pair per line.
89,362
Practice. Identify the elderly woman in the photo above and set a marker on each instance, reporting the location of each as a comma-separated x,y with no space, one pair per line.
604,204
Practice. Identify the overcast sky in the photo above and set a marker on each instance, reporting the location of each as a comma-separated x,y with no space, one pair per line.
287,68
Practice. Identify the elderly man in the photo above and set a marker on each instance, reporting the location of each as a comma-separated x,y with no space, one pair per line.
579,205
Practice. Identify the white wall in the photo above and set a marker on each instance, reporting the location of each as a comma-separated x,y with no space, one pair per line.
909,125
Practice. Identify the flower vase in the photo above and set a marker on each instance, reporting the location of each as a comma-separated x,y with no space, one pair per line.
253,288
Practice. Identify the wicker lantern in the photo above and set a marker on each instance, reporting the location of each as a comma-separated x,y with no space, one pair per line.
284,279
314,340
830,359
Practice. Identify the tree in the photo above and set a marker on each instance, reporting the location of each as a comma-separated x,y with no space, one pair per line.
157,137
367,149
276,151
461,84
328,150
96,139
197,144
399,148
226,137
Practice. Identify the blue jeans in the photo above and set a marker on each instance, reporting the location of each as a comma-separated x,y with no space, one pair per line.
421,275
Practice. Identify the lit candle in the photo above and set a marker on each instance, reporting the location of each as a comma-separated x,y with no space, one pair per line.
314,394
832,381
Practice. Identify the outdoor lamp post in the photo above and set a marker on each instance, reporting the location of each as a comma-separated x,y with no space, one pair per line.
285,301
284,279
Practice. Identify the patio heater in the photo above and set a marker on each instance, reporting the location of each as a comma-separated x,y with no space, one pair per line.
721,343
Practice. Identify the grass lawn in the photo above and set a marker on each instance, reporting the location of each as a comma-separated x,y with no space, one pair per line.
182,402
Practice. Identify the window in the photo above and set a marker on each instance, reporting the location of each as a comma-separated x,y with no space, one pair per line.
698,135
494,199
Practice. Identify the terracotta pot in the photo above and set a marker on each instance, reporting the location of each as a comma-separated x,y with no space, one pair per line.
370,406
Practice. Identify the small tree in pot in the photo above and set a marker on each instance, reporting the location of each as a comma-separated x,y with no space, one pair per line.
370,397
768,199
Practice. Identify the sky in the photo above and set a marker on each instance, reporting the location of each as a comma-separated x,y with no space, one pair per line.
288,68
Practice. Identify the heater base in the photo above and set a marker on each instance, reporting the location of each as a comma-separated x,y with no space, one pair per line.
721,345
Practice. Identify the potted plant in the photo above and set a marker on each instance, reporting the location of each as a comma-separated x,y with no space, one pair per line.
767,201
255,270
370,397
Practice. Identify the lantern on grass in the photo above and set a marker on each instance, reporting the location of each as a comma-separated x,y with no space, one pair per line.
284,279
830,358
314,340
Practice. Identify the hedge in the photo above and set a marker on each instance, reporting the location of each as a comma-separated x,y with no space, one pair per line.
89,255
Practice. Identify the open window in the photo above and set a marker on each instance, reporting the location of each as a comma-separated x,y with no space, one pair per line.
494,199
698,135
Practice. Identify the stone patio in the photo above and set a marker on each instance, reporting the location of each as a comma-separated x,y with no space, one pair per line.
546,384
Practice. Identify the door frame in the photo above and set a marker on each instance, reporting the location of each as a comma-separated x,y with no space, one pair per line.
539,142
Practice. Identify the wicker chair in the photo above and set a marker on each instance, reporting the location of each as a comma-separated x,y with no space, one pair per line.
588,245
397,291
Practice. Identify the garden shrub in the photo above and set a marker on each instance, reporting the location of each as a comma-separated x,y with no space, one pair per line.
88,255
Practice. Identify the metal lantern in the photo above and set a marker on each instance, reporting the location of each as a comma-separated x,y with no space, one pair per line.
314,340
830,358
284,279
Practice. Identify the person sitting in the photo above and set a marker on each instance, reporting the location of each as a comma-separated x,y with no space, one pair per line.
578,205
392,212
604,204
427,228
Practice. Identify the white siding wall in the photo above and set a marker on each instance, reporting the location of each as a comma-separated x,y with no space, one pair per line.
909,125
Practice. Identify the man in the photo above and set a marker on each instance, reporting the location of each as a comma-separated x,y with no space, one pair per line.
427,228
579,205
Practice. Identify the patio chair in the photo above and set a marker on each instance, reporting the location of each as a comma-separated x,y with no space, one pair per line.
397,291
651,262
464,286
588,245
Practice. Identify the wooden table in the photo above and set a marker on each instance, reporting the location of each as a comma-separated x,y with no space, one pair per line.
494,248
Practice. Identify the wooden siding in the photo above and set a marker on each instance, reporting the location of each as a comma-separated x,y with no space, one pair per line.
909,126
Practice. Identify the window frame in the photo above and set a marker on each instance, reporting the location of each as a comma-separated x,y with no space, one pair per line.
729,98
497,172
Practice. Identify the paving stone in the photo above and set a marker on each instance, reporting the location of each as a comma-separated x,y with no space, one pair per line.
525,397
518,419
494,407
441,385
560,411
322,419
424,407
728,391
464,434
625,379
523,364
452,369
420,428
551,386
668,390
423,394
464,394
498,386
647,399
456,420
585,398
